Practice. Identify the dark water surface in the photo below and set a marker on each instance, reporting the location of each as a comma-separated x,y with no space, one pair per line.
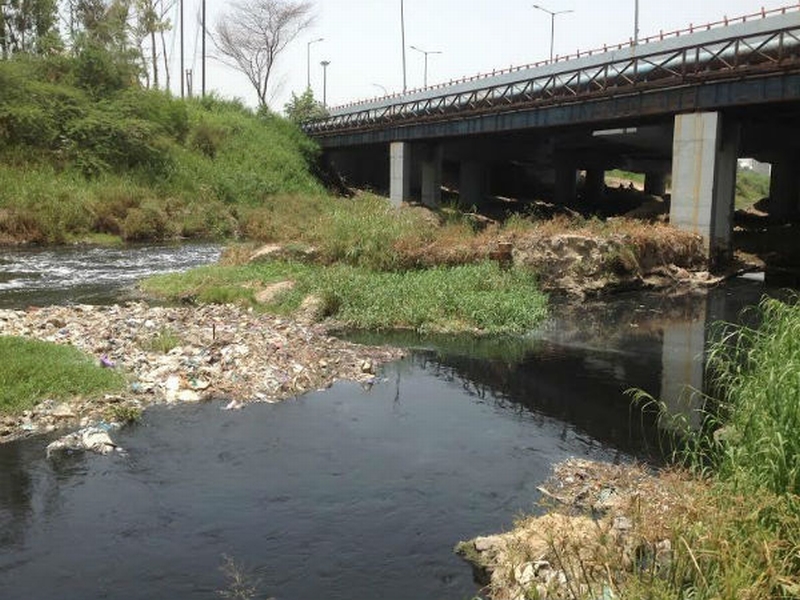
352,493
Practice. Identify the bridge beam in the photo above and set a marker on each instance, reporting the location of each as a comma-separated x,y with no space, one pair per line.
704,156
399,173
784,188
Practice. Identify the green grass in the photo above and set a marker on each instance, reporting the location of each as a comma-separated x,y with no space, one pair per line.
481,297
750,188
32,371
136,164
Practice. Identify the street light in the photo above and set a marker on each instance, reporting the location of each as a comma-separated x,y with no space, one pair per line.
382,87
552,23
403,41
325,64
636,24
426,52
308,60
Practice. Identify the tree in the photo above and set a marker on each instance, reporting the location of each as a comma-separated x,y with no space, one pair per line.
28,26
253,34
304,108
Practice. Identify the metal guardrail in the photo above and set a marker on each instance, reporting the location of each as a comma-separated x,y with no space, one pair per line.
772,45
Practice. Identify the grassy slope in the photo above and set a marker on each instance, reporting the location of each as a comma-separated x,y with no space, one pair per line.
135,163
31,371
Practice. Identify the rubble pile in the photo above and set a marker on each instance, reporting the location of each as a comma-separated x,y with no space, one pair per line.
187,354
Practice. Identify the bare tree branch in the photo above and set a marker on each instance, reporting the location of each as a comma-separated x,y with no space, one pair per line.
254,33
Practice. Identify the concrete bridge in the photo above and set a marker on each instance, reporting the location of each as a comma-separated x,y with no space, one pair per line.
686,104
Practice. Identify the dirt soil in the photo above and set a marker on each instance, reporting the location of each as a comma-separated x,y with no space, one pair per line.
603,521
222,352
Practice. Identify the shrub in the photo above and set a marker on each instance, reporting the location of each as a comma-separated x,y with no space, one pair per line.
148,222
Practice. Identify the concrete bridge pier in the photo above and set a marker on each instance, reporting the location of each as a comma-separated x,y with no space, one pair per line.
595,185
472,184
432,175
399,173
705,150
784,188
655,184
566,189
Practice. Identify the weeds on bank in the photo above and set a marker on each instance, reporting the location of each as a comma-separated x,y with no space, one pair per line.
32,371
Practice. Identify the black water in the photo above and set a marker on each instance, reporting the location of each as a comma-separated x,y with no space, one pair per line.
350,493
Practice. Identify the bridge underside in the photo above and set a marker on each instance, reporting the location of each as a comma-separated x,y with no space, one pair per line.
540,154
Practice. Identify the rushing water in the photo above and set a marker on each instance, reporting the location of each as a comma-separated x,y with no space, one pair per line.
89,275
352,493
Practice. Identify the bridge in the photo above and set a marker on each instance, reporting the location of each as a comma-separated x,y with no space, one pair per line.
687,103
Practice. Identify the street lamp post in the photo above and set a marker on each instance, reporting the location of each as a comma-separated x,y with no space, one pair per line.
636,24
552,23
308,60
403,41
426,52
325,64
382,88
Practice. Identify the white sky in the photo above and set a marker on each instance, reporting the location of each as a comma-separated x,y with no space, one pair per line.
363,44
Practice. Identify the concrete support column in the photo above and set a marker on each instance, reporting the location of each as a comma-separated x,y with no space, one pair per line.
595,185
399,173
472,183
655,184
566,181
432,177
704,157
784,188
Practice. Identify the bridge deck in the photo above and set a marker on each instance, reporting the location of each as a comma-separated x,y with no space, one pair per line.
745,49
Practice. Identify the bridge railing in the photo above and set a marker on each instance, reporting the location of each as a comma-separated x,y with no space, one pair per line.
659,37
668,64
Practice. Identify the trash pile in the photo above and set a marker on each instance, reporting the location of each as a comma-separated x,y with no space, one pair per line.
187,354
603,522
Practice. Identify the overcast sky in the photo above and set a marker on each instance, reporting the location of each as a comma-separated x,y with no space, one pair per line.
363,43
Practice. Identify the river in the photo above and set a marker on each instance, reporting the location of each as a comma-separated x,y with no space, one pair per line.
352,493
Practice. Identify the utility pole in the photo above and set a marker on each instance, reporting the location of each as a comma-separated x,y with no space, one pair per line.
183,84
403,39
204,51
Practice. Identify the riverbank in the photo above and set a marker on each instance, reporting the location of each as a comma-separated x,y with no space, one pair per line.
184,354
724,523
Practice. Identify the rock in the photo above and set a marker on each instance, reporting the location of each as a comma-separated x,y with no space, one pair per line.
485,544
367,367
273,291
62,411
525,574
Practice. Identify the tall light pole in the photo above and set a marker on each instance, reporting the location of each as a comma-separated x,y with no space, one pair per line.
308,61
382,88
325,64
552,23
636,24
426,52
403,40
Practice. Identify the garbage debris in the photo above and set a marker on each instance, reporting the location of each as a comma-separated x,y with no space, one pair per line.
219,351
89,439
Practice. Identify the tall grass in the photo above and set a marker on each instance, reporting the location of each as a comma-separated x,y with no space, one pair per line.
758,371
